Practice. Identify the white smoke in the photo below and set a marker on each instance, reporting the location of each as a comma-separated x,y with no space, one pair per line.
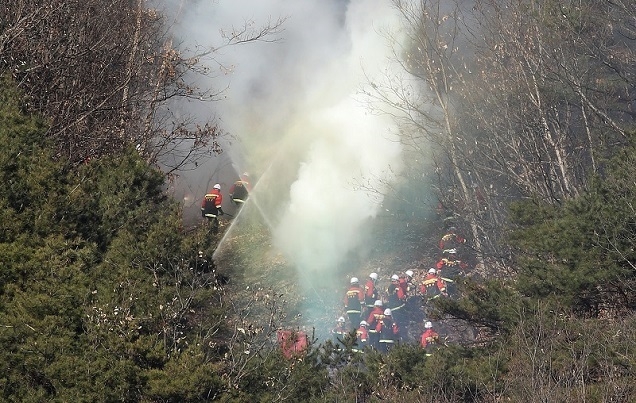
302,127
348,146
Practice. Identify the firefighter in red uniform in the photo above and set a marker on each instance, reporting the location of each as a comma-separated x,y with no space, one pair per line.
371,293
353,302
406,283
411,302
450,266
388,331
211,205
432,286
451,240
241,189
396,300
339,332
430,337
449,269
374,316
362,337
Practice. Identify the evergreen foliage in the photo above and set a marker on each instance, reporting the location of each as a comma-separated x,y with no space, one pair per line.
493,305
562,327
97,292
581,254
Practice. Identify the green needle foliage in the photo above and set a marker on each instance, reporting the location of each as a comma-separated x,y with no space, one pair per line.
99,298
581,254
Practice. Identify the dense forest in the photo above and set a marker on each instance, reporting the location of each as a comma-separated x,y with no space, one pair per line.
105,294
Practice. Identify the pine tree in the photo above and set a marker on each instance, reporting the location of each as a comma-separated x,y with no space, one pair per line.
581,254
98,300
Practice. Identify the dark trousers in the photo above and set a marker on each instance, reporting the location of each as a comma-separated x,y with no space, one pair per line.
354,319
399,315
374,339
384,346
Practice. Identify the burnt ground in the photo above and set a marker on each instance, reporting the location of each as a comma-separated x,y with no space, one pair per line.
264,290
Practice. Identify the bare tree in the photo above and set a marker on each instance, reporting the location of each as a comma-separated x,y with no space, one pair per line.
516,98
572,360
425,103
551,74
107,75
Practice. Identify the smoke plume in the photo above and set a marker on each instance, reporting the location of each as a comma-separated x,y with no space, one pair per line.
301,124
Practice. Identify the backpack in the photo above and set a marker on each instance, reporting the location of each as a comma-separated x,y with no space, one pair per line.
240,191
210,207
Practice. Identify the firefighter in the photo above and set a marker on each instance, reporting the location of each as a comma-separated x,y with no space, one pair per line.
388,331
362,334
430,337
374,316
240,190
396,299
339,332
211,205
451,240
450,266
406,282
203,264
353,302
432,286
411,310
449,269
371,293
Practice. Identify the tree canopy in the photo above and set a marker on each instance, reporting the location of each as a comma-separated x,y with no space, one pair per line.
96,288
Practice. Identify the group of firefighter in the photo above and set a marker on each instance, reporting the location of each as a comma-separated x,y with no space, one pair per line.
378,319
381,319
211,206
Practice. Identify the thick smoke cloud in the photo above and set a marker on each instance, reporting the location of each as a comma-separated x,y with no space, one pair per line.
294,105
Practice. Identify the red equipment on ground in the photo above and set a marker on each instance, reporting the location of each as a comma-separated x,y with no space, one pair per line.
292,343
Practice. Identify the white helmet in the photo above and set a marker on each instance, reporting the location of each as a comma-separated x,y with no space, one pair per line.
374,276
387,312
217,186
409,273
354,280
364,323
341,319
428,325
432,271
395,277
378,302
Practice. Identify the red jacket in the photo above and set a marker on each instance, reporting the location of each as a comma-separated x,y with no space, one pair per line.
396,295
388,329
451,264
363,334
404,285
339,330
370,292
375,315
430,336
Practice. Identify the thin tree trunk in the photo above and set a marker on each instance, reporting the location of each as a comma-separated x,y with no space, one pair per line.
130,66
